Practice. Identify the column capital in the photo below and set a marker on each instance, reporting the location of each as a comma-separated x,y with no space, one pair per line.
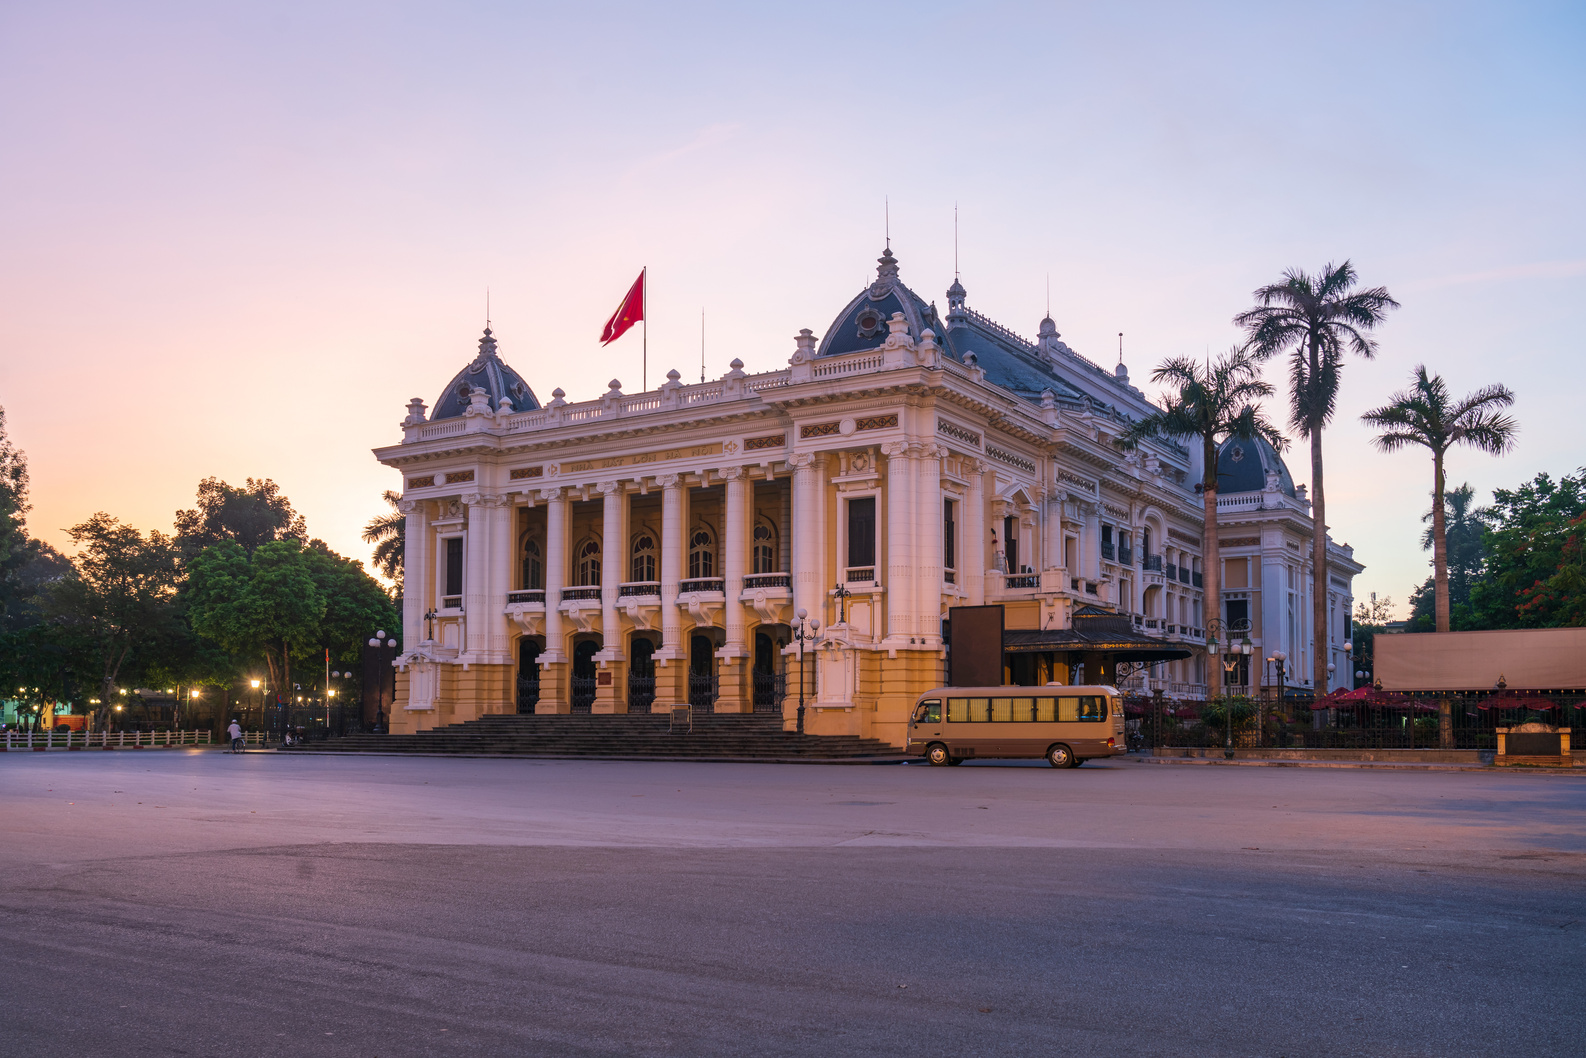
409,506
551,495
893,449
801,460
479,499
669,481
731,473
607,488
930,450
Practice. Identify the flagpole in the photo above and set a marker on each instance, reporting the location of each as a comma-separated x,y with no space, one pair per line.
644,376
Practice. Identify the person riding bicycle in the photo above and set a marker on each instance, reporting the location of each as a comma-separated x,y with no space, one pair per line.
235,731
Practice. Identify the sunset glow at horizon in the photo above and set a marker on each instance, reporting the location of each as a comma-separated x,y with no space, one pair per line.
235,243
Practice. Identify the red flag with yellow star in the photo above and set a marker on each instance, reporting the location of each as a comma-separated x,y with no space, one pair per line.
631,311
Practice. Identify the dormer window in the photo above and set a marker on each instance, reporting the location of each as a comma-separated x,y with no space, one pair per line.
869,323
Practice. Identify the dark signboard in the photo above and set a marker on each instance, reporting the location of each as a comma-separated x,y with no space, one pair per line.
974,655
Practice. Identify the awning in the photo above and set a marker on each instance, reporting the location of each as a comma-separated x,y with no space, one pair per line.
1123,646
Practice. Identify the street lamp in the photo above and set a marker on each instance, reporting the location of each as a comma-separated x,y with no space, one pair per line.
805,628
1232,653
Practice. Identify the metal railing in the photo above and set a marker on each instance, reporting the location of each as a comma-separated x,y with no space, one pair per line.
1107,552
48,740
702,691
1126,556
451,602
1151,562
569,594
770,688
531,596
768,580
702,584
860,574
1196,579
1183,574
1461,722
1170,571
528,694
638,589
1022,580
583,692
641,692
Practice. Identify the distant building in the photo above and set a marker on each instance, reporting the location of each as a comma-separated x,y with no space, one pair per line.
639,550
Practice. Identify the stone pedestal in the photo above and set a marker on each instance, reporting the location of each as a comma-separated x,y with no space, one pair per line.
554,689
611,689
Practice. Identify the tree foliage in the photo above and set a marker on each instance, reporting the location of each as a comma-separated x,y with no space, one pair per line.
1212,402
1317,319
250,517
1532,573
1426,415
118,596
388,533
1465,548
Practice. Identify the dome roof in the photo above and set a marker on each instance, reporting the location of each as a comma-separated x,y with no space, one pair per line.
488,373
1243,464
862,324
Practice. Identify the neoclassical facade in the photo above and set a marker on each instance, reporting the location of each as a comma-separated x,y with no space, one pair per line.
640,550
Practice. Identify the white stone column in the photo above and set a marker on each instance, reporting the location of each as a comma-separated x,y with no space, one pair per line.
555,573
490,517
973,533
735,545
611,568
672,559
928,537
1092,543
418,582
809,531
1051,530
900,530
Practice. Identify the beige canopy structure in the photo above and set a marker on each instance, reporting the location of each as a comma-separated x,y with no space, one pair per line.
1525,659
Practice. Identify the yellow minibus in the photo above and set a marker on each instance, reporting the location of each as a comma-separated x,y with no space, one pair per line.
1066,725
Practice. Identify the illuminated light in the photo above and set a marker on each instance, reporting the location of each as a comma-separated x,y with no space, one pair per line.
255,684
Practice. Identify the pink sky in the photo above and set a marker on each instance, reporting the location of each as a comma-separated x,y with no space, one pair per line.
236,242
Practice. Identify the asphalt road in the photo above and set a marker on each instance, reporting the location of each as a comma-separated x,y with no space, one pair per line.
198,903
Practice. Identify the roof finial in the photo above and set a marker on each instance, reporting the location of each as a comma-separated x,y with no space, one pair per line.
1120,347
487,306
886,204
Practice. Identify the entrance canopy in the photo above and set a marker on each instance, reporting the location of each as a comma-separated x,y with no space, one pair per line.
1095,632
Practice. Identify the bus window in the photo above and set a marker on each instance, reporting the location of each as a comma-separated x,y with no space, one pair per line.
1023,710
976,710
1001,710
1092,708
1045,710
1068,709
957,710
929,712
1117,707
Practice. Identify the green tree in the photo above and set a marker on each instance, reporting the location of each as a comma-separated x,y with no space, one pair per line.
356,604
1466,548
1369,621
1560,600
118,596
388,533
1426,415
266,604
1212,402
1528,530
1317,319
250,517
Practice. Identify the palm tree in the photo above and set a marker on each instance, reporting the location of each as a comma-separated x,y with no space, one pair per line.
1213,402
1426,415
1317,318
388,532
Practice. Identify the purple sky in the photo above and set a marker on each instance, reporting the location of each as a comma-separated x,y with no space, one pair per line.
235,240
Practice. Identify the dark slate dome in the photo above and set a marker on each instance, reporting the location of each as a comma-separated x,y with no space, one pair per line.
487,372
1243,463
863,323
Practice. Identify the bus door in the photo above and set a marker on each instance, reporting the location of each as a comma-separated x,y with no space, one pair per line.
928,719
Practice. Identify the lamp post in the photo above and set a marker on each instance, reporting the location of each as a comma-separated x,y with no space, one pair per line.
1231,654
805,629
841,594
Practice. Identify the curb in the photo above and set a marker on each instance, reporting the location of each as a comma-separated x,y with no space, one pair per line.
614,756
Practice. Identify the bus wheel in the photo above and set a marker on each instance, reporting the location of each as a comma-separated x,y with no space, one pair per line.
937,754
1060,757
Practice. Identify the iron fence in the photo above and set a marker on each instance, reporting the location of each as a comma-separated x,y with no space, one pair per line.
702,691
1467,722
583,689
641,693
770,688
528,694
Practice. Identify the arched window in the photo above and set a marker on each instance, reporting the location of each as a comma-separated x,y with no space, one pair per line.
765,547
533,571
701,553
643,565
588,558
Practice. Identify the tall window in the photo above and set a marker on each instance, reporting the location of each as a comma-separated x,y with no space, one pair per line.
454,566
862,531
950,534
533,565
588,559
643,557
1010,542
701,553
765,547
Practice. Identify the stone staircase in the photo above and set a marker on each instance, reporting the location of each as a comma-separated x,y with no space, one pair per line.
714,737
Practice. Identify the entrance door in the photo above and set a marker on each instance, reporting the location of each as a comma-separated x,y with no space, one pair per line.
770,686
584,675
641,674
